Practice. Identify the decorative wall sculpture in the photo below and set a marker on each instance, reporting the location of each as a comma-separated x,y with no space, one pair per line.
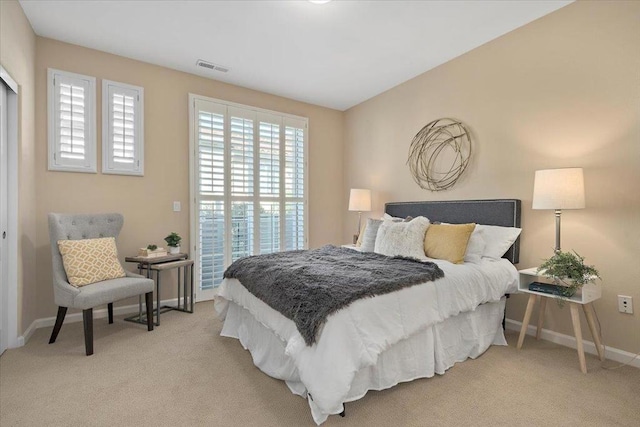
439,154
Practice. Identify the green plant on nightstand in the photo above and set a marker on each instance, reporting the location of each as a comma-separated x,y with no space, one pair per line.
568,270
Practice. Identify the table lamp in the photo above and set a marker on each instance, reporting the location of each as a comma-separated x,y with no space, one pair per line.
360,201
558,189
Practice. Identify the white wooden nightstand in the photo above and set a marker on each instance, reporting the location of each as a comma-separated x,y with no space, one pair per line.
352,246
584,297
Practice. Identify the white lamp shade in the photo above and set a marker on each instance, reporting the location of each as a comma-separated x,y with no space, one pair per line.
558,189
360,200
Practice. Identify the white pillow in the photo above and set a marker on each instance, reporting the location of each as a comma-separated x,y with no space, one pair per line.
370,234
387,217
402,238
475,247
498,239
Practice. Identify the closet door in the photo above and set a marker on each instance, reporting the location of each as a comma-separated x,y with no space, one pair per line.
3,218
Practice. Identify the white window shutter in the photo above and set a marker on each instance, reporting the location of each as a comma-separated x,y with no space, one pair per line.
210,143
122,128
269,159
209,162
295,172
71,122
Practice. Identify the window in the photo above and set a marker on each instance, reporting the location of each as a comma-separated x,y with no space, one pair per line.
249,172
122,128
72,122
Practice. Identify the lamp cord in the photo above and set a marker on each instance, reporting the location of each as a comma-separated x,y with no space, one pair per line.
604,346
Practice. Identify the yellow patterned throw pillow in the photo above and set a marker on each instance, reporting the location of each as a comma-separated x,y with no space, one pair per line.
90,260
448,241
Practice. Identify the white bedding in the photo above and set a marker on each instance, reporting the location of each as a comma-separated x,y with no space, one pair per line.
353,338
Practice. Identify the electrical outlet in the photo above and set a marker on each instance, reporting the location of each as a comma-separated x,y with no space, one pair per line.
177,207
625,304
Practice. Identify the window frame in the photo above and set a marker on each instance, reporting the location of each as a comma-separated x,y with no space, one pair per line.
287,120
107,129
54,162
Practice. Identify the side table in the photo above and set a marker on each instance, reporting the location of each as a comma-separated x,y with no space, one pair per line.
159,264
351,246
585,297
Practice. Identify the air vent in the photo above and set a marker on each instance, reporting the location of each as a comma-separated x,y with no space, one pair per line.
211,66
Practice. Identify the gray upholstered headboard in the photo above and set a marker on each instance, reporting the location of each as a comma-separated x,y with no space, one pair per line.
503,212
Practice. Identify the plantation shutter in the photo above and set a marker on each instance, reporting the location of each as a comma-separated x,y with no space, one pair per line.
269,143
294,183
210,184
241,176
249,171
123,128
71,122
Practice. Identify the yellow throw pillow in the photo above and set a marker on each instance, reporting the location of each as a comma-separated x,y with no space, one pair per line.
90,260
447,241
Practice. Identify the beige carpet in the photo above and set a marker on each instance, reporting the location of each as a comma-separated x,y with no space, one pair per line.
184,373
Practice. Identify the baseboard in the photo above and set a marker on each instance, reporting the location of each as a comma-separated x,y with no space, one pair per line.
611,353
103,313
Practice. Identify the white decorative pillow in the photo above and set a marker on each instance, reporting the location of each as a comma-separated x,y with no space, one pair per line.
387,217
476,246
402,238
370,234
498,239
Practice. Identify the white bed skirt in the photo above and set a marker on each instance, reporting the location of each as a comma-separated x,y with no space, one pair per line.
424,354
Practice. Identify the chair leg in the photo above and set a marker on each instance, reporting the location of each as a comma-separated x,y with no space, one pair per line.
62,311
87,317
110,310
148,297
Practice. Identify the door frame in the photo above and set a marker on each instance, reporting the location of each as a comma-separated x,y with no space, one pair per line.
10,291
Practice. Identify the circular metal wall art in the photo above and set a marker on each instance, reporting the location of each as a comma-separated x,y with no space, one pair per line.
439,154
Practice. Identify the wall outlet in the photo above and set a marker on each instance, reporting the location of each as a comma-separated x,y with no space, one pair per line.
177,207
625,304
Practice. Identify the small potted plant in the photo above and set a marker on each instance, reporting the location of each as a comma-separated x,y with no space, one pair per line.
173,241
569,272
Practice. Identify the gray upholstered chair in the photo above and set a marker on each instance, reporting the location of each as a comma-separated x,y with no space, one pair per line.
91,226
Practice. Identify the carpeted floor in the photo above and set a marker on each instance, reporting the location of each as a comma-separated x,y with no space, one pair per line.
184,373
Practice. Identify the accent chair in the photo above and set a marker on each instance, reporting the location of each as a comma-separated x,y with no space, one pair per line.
85,298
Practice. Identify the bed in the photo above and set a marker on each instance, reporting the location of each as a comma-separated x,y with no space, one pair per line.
376,343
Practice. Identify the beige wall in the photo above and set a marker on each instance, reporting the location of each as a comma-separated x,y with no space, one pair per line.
17,56
562,91
146,202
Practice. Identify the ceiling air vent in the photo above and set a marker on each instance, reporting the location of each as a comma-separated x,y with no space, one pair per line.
211,66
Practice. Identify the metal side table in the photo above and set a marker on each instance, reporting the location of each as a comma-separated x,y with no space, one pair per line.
159,264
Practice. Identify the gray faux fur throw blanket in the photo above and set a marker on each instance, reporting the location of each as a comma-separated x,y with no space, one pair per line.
308,285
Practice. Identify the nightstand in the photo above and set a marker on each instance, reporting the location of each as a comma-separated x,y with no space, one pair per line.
584,297
352,246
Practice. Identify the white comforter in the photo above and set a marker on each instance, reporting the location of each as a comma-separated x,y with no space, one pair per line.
353,337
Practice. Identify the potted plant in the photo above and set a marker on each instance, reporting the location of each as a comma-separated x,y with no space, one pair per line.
569,272
173,241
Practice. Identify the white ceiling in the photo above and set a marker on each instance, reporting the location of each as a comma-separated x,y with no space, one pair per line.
334,55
